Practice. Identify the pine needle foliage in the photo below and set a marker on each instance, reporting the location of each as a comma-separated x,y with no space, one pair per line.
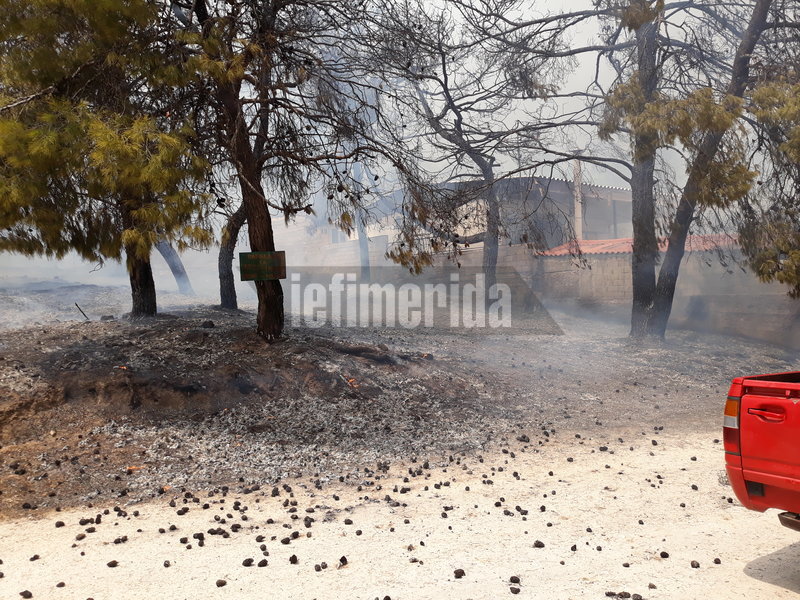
769,230
95,155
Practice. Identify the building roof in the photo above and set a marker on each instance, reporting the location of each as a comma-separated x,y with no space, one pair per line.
391,202
694,243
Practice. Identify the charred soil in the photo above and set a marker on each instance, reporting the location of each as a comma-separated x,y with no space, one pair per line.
124,411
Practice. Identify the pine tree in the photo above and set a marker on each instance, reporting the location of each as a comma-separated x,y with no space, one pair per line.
295,110
96,152
769,228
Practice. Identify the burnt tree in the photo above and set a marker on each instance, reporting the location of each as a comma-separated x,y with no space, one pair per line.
680,88
463,95
291,111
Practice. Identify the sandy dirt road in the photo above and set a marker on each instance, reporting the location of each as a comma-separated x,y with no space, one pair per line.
594,527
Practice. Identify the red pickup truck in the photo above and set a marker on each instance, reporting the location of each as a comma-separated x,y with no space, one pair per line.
762,443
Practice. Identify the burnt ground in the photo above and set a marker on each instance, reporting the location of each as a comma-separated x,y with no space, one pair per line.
108,410
168,458
179,401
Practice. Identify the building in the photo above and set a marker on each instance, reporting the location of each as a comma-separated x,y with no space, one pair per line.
536,211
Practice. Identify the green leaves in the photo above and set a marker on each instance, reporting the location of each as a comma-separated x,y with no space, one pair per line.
640,12
90,159
684,122
778,104
769,232
45,41
670,120
772,247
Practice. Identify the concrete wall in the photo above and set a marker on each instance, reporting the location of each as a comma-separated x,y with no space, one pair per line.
709,297
712,298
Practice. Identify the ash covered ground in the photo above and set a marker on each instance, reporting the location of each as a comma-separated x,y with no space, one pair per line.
440,445
120,409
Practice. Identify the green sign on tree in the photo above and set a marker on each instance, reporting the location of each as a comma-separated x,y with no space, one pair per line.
262,266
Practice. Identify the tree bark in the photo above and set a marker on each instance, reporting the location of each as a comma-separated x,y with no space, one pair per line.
699,170
143,287
361,229
645,245
230,235
270,318
245,160
491,239
175,264
363,246
140,273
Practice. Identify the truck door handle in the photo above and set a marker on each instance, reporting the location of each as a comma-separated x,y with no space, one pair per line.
767,414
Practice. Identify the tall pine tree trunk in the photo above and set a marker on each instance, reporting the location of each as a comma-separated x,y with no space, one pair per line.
143,287
140,273
361,228
363,246
270,318
227,281
491,238
246,161
699,172
175,264
491,241
645,244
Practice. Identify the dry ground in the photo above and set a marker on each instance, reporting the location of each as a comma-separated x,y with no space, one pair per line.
439,447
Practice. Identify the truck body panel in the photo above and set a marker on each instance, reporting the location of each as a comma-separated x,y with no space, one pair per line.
762,441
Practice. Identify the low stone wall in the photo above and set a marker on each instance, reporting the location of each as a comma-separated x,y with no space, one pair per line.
773,318
709,297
